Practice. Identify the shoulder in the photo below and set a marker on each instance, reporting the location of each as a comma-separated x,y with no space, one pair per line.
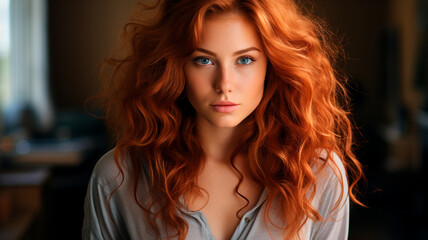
112,210
329,169
115,173
331,198
109,204
106,169
331,194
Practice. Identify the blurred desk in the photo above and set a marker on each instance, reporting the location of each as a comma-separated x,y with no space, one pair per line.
22,193
55,183
54,152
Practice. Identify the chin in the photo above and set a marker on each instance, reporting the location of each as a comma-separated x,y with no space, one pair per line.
225,124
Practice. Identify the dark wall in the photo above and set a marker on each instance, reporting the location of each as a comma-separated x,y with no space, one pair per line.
82,34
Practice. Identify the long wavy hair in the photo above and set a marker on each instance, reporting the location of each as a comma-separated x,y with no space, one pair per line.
303,108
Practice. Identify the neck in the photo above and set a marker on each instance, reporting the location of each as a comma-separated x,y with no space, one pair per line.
217,143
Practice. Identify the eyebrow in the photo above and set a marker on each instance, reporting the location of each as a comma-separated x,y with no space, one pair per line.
235,53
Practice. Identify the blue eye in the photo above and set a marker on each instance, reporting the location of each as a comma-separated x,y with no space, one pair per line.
245,60
203,61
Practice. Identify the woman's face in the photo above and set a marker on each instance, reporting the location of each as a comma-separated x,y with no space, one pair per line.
225,75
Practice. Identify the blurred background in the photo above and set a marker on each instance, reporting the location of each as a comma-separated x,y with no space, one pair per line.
50,52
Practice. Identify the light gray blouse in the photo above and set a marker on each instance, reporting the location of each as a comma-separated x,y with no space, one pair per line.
126,220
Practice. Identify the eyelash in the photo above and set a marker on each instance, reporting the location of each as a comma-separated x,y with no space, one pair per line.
248,57
198,59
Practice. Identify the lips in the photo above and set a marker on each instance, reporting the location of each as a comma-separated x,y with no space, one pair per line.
224,106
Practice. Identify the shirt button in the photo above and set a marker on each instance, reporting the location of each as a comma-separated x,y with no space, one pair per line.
247,219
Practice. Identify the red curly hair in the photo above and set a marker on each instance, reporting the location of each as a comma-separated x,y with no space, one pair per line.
300,113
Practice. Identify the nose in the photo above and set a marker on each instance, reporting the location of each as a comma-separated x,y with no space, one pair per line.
224,82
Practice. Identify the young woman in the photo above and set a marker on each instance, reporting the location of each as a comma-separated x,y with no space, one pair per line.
228,126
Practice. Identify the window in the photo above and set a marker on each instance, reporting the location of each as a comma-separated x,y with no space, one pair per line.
24,56
4,53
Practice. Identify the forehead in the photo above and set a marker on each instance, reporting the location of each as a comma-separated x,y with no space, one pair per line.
228,31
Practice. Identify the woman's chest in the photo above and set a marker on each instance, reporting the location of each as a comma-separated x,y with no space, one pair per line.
224,199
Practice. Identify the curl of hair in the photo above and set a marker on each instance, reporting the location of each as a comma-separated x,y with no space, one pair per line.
302,111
